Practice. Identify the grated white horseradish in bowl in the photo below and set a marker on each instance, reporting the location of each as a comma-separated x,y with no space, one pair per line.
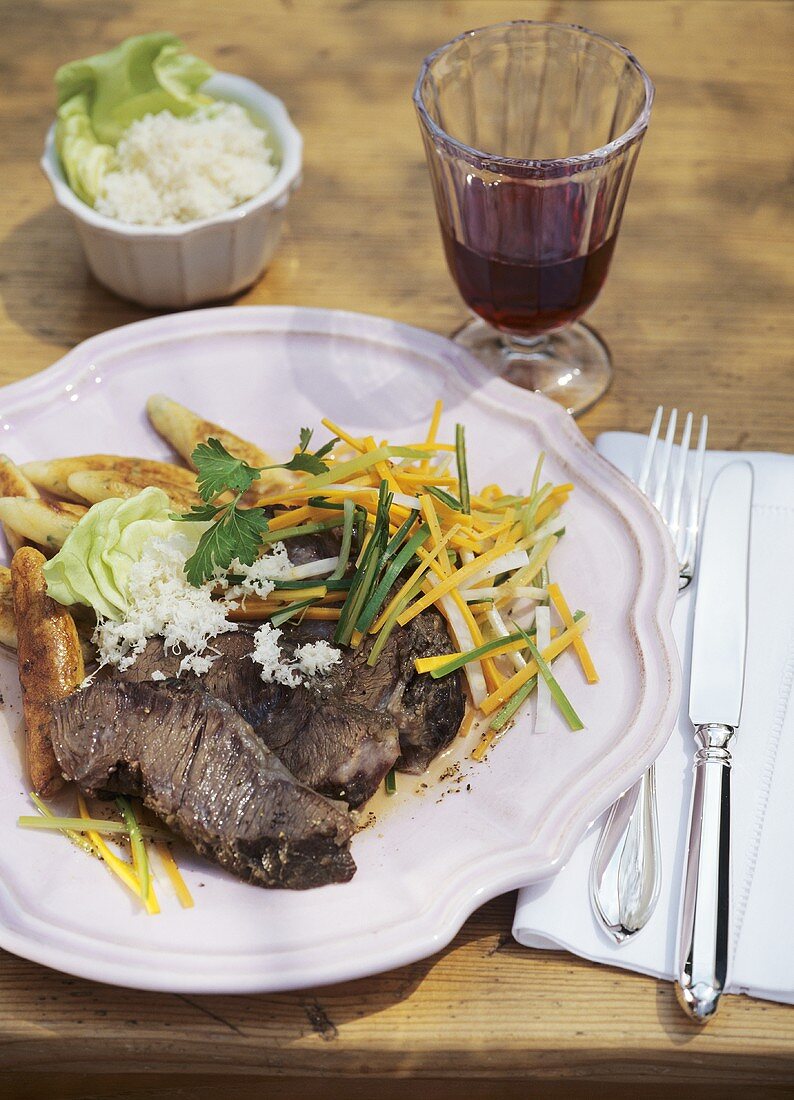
189,262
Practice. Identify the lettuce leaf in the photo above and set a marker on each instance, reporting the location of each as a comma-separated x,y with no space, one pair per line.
93,565
98,98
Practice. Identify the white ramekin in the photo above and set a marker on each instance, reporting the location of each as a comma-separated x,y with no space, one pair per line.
174,266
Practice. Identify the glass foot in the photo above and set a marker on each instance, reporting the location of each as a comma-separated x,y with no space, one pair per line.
572,366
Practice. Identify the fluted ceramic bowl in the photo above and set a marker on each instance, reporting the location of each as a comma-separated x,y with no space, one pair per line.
173,266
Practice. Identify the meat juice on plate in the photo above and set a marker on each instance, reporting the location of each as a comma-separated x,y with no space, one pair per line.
527,259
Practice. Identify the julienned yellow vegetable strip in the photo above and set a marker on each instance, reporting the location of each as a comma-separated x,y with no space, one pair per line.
118,866
425,478
503,539
512,685
455,581
429,512
382,468
582,652
488,739
169,863
435,420
356,444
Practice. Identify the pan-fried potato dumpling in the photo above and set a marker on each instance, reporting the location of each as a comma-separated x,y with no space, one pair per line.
8,623
92,486
47,523
13,483
53,474
184,430
50,663
84,621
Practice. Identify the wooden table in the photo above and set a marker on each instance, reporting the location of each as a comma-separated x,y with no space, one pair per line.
696,312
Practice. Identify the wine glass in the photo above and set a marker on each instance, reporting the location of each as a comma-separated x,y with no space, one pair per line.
531,132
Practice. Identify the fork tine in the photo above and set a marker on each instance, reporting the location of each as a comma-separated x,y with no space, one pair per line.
693,523
650,447
661,483
673,516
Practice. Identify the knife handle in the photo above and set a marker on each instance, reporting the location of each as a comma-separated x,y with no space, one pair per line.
705,914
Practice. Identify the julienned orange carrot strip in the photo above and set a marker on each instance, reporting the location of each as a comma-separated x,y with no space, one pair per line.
582,652
511,686
290,518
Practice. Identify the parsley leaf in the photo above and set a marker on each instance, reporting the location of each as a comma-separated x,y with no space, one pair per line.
237,534
309,464
199,513
217,470
326,448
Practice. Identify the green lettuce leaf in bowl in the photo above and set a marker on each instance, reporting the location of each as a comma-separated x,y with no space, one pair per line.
98,98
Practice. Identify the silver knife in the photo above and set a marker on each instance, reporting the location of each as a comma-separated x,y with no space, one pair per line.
719,641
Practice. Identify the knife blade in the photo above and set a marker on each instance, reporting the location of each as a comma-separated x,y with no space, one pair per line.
719,636
719,644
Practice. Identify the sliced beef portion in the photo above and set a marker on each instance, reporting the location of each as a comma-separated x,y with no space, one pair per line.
307,548
201,768
339,748
427,712
339,733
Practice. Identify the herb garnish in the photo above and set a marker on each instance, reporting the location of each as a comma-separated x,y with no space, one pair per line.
235,532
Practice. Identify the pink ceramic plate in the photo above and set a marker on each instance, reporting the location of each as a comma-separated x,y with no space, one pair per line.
431,856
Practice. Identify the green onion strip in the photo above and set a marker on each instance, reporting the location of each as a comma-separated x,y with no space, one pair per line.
303,529
79,825
339,474
444,497
279,617
347,541
463,475
367,569
139,856
388,578
559,696
503,716
475,654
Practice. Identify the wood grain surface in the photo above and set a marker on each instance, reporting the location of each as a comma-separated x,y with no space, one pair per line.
697,312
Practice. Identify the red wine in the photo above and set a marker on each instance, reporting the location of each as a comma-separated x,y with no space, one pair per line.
527,298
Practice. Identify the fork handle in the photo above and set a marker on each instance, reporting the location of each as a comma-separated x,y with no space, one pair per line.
705,913
625,871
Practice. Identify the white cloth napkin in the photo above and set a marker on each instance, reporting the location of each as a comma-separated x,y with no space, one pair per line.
557,913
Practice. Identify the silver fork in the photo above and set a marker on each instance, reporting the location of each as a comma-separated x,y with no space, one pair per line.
625,874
